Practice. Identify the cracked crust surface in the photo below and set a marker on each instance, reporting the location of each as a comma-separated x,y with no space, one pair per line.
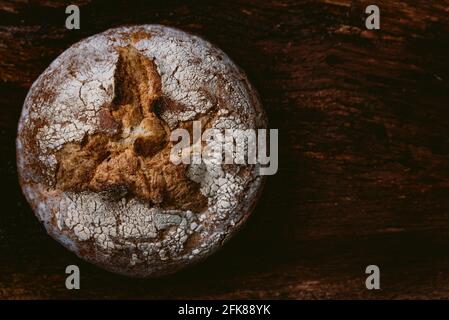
93,149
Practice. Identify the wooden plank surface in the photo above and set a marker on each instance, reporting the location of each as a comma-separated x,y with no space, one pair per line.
363,119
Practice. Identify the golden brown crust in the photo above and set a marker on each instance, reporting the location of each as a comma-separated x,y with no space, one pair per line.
93,149
135,160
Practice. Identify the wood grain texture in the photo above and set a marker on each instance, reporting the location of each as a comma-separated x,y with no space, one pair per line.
363,119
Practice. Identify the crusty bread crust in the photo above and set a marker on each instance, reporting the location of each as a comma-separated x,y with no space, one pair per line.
110,195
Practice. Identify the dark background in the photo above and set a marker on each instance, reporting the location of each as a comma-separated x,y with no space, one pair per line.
363,119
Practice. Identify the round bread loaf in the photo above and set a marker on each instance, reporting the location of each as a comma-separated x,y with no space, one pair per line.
93,149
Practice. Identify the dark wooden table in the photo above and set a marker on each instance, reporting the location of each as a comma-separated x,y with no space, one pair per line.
363,119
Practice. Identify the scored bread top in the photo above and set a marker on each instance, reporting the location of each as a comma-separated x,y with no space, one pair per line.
93,149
